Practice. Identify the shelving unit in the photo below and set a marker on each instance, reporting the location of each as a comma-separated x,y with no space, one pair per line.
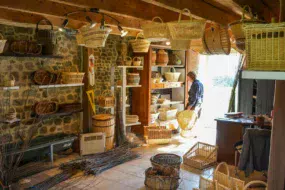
34,56
10,88
58,85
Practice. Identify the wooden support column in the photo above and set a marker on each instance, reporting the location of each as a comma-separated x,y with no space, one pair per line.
192,64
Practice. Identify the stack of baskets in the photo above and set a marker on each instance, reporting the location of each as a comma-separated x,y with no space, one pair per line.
164,173
93,37
140,45
105,123
72,77
157,135
107,99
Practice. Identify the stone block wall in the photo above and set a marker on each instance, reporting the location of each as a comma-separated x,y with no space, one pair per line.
24,98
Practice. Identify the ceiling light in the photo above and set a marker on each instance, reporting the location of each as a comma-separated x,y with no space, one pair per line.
92,23
64,24
123,32
167,43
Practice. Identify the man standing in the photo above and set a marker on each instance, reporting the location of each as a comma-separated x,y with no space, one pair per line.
195,94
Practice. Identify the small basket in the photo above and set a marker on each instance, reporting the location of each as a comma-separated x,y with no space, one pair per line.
172,75
137,61
132,118
163,160
140,45
11,115
167,113
8,80
72,77
156,31
186,29
128,61
46,108
94,37
2,43
201,156
26,48
107,99
133,78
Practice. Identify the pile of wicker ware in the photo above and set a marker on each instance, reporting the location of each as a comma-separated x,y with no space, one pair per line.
105,123
164,173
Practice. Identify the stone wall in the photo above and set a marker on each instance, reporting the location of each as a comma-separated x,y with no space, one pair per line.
24,98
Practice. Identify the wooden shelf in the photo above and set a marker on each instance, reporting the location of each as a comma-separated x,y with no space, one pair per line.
264,75
63,113
58,85
10,88
131,86
156,46
11,122
176,66
166,88
135,67
169,103
34,56
132,124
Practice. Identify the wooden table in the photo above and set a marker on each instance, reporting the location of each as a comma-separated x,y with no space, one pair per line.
230,131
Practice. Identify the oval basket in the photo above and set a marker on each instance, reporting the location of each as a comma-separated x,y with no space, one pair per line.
160,161
43,77
156,31
46,108
140,45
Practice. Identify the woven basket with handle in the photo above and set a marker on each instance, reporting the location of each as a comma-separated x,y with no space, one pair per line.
156,31
107,99
186,29
72,77
172,75
140,45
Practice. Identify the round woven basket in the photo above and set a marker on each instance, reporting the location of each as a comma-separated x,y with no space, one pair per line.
140,45
160,161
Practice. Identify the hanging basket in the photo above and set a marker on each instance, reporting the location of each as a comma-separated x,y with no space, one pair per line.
172,75
140,45
217,40
107,99
2,43
156,31
186,29
94,37
180,44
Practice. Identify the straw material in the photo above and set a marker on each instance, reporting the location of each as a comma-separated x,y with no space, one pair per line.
265,46
157,134
186,29
180,44
156,31
94,37
2,43
140,45
172,75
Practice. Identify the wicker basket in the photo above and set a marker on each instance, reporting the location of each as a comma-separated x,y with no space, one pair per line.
265,47
157,135
109,142
46,38
172,75
2,43
94,37
180,44
160,161
167,113
256,182
155,181
217,40
107,99
186,29
140,45
108,130
8,80
72,77
133,78
132,118
162,57
11,115
137,61
43,77
201,155
46,108
26,48
128,61
156,31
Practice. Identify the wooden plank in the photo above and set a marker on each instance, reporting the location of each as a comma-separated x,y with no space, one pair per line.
265,96
198,8
245,96
276,171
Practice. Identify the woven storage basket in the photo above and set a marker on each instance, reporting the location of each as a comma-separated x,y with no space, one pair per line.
167,113
217,40
156,31
46,108
128,61
107,99
265,47
109,142
186,29
180,44
157,134
72,77
2,43
11,115
172,75
154,181
163,160
140,45
137,61
201,155
94,37
133,78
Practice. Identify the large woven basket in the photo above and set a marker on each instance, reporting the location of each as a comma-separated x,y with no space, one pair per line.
72,77
46,108
265,47
140,45
2,43
94,37
217,40
186,29
107,99
156,31
180,44
172,75
163,160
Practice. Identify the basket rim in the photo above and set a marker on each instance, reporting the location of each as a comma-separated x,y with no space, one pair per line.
161,154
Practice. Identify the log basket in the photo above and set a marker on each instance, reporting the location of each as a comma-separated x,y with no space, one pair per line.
107,99
160,161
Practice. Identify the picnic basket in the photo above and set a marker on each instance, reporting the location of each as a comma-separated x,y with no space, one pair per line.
94,37
72,77
107,99
201,156
140,45
156,31
2,43
186,29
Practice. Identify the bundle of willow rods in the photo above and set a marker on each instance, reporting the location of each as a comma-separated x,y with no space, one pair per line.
97,163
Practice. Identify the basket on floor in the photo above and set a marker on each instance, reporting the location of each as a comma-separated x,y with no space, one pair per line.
186,29
157,180
265,47
72,77
2,43
140,45
156,31
256,182
201,155
163,160
95,37
107,99
157,135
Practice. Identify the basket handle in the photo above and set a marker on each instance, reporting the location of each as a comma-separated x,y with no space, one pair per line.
225,165
255,182
139,35
172,70
128,58
157,18
49,23
187,11
137,58
249,11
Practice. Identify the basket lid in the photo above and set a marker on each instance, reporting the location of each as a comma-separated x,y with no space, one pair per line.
103,117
